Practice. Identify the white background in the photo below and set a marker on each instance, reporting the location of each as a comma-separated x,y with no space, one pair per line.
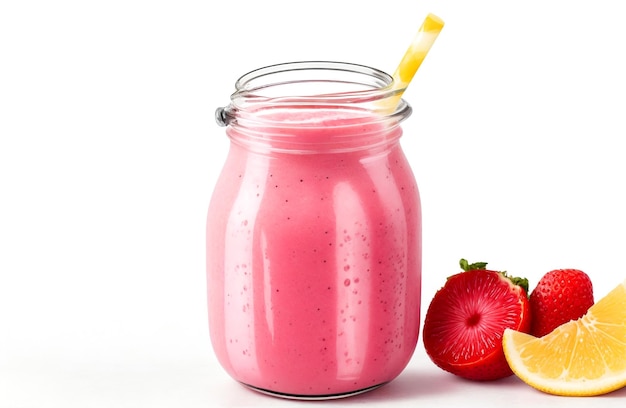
109,153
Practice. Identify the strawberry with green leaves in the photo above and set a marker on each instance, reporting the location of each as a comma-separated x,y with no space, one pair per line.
560,296
466,319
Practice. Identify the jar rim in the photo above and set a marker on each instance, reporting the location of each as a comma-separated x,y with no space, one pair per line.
245,83
305,81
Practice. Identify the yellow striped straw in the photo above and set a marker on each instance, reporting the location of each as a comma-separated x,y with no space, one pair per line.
414,56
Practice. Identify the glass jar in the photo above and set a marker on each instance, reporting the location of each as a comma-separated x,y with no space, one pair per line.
314,233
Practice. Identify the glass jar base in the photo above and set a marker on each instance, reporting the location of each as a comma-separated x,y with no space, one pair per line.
312,397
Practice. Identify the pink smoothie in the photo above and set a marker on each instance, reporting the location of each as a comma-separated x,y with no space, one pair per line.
313,259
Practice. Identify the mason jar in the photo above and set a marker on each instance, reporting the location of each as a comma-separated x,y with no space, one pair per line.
314,233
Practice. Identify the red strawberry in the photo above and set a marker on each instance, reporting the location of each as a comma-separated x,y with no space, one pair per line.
560,296
466,319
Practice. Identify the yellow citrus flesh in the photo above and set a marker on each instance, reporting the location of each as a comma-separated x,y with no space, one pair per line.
583,357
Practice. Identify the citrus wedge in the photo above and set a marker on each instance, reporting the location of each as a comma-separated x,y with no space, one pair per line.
583,357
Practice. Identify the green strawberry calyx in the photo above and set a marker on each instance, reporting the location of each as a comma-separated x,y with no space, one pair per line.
466,266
